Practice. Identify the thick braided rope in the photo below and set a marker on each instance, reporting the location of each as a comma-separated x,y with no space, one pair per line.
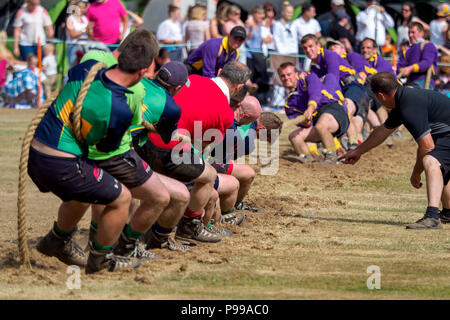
294,121
428,78
21,217
80,99
150,127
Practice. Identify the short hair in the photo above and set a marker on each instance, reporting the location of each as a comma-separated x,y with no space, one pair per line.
384,82
256,9
416,24
308,7
271,122
374,43
163,53
136,55
308,37
31,56
238,97
236,73
173,8
284,65
140,34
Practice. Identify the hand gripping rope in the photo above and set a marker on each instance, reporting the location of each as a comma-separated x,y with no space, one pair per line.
21,217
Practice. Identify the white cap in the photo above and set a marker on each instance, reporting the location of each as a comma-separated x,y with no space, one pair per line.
338,2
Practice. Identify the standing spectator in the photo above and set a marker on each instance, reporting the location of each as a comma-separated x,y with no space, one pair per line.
267,27
439,26
76,30
30,24
373,22
197,28
108,21
216,23
286,44
341,30
233,19
170,33
402,22
256,61
422,56
326,19
306,24
50,67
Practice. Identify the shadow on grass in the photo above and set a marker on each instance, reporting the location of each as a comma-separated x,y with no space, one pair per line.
297,215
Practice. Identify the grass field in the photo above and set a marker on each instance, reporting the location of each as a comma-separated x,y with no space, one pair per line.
325,226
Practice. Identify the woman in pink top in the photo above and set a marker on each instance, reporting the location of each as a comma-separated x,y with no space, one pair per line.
233,19
105,17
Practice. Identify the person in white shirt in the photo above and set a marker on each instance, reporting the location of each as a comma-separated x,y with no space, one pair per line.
373,22
50,67
439,26
30,24
76,30
306,24
170,32
286,44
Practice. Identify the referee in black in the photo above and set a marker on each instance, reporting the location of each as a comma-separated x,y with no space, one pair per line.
426,115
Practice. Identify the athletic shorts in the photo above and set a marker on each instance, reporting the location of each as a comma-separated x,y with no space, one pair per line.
72,178
357,93
441,152
338,112
161,161
224,168
128,168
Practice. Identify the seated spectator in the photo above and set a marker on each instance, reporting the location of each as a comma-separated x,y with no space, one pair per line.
50,67
105,20
22,89
341,30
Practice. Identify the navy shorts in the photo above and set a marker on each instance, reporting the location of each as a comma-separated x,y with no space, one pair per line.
441,152
128,168
357,93
338,112
72,178
161,161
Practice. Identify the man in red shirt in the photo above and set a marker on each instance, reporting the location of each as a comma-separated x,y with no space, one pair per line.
205,116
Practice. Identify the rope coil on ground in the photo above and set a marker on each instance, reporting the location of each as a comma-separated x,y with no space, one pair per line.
23,165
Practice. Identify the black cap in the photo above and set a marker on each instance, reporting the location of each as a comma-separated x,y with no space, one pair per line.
174,73
238,32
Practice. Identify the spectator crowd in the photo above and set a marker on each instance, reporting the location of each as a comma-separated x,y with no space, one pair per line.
272,37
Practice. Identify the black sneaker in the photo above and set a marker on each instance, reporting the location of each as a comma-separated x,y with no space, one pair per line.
192,229
63,248
427,222
248,208
133,249
153,241
99,260
444,218
234,218
223,232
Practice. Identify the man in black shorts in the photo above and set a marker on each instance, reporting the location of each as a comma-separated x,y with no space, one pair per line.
426,115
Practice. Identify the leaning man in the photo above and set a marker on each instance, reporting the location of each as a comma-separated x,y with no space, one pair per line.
426,115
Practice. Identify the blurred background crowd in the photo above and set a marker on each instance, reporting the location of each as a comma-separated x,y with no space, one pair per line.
40,40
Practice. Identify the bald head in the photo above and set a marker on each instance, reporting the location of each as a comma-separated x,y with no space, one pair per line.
249,111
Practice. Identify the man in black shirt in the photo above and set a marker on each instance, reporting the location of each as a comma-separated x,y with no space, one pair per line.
426,115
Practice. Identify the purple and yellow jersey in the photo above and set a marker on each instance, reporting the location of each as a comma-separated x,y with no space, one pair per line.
105,115
329,62
380,64
360,64
310,90
421,56
211,56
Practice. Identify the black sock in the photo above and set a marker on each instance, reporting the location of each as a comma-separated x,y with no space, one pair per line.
445,212
433,212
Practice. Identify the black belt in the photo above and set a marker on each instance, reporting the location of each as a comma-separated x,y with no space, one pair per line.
348,80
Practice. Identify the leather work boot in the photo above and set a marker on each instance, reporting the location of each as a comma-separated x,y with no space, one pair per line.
192,229
62,247
132,248
154,241
427,222
99,260
234,218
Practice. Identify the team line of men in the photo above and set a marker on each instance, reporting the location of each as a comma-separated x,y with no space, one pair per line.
119,160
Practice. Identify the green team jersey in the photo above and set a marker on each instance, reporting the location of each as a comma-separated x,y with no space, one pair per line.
134,101
105,115
159,109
